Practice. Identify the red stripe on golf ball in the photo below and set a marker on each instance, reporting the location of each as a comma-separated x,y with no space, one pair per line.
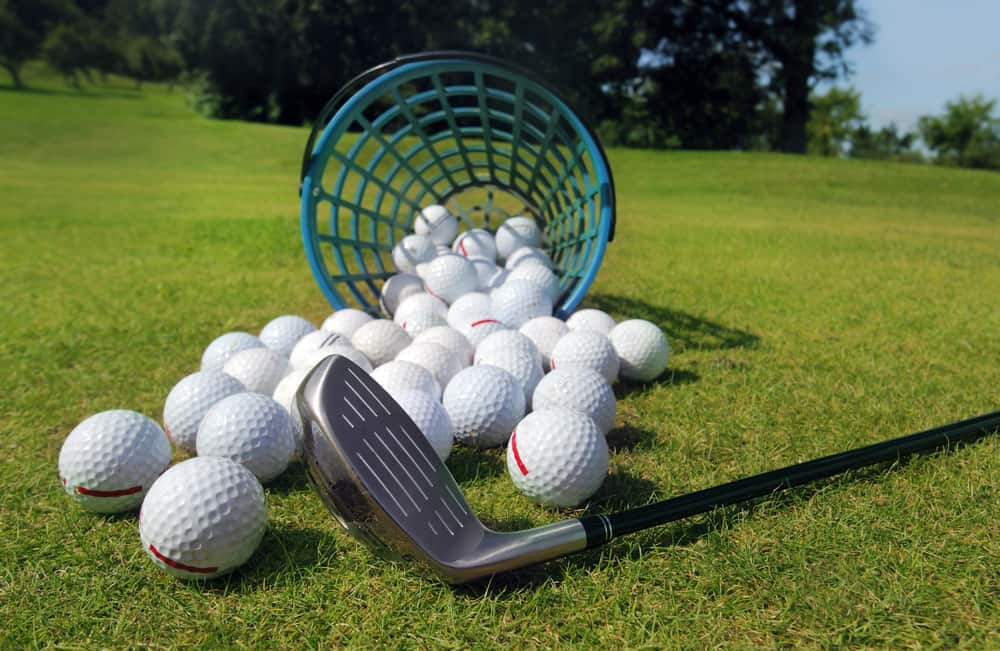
181,566
517,457
481,322
83,490
461,247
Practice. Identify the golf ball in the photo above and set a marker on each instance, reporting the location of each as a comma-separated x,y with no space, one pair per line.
518,301
544,331
189,401
312,342
515,233
108,462
441,362
251,429
540,275
417,322
485,271
344,350
281,334
484,404
557,457
430,418
203,518
449,277
258,369
528,254
580,389
345,322
380,340
422,302
591,319
411,251
398,375
586,348
475,243
436,222
478,328
523,365
469,307
451,339
225,346
285,395
642,349
397,288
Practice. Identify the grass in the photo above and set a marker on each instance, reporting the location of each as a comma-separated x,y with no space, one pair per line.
812,306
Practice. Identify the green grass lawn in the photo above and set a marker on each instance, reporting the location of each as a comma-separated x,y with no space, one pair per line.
812,305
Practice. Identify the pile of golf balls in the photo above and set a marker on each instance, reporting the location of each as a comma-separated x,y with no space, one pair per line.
467,344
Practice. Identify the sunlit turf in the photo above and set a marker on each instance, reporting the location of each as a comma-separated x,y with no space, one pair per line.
812,305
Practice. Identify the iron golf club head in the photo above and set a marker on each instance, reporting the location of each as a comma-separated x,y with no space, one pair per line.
381,479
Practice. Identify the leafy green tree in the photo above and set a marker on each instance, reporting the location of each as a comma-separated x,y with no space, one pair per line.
834,118
24,25
887,143
967,134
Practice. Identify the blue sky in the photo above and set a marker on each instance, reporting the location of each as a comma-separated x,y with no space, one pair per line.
926,52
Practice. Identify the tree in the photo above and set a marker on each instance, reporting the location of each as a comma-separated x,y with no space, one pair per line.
967,134
835,117
887,143
24,25
802,42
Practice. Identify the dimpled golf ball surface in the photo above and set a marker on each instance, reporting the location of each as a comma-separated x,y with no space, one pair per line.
515,233
484,403
642,349
411,251
541,276
318,355
108,462
225,346
397,376
397,288
591,319
285,395
545,332
468,307
430,418
203,518
450,276
380,341
579,389
281,334
528,254
586,348
436,222
417,322
437,359
451,339
311,342
504,340
478,328
189,401
250,429
345,322
518,301
523,365
421,302
259,369
475,243
557,457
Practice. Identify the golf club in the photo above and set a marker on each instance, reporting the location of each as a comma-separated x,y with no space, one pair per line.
383,482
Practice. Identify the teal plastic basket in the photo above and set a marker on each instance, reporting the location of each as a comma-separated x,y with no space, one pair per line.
485,138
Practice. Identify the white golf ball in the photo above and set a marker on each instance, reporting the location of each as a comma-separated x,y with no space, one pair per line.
430,418
475,243
437,359
557,457
444,249
485,271
528,254
422,302
312,342
344,350
523,365
346,321
507,340
484,404
478,328
189,401
473,304
495,280
586,348
411,251
380,340
397,288
580,389
591,319
436,222
515,233
518,301
451,339
399,375
540,275
251,429
642,349
449,277
108,462
416,322
281,334
203,518
544,331
285,395
225,346
259,369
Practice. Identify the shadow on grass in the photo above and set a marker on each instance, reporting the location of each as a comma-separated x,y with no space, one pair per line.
90,92
293,480
468,464
670,377
622,491
683,330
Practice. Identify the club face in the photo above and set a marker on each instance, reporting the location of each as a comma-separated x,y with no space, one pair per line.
378,475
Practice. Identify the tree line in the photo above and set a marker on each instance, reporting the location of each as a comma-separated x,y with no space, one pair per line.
701,74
